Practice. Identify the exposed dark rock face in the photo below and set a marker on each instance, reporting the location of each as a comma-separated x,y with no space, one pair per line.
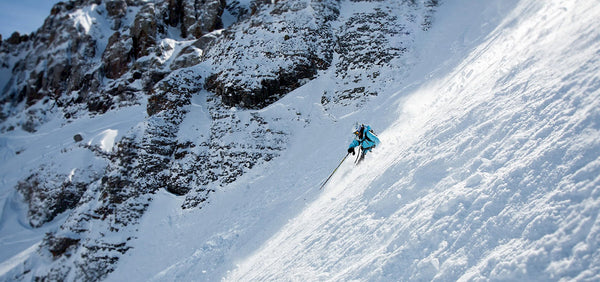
199,21
116,57
70,66
302,46
60,246
217,163
117,10
17,38
48,194
56,61
368,41
144,31
269,90
195,18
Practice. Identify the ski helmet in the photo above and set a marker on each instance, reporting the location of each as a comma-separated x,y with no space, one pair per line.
359,130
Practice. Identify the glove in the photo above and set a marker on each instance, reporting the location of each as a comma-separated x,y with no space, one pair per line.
351,150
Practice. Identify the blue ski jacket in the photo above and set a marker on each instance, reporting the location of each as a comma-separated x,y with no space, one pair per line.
367,140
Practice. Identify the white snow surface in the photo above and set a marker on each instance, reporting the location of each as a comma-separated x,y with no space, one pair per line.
52,145
489,168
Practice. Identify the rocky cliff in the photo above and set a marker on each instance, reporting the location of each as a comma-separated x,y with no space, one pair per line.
94,57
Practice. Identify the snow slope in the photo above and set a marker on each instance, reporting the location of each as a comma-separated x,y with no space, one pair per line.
53,145
489,169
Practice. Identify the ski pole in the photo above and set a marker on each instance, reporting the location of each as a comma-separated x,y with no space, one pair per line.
334,171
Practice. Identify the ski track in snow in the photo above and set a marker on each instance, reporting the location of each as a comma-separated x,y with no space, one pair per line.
489,168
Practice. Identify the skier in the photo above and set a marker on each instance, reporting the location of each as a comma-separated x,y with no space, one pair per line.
365,139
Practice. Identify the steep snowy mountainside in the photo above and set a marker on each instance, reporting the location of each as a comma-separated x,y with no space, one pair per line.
491,171
488,168
106,106
295,40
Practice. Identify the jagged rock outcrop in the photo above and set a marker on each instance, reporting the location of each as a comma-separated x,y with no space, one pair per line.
195,18
291,41
137,169
48,194
192,54
72,53
144,31
235,145
116,56
198,22
370,40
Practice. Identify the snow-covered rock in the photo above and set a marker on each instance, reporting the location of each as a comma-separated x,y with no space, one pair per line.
185,140
290,41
